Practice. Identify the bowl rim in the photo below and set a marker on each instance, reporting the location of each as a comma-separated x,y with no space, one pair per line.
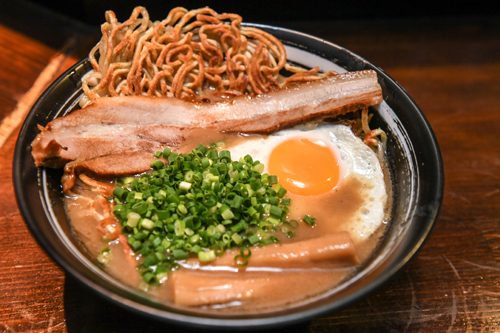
293,37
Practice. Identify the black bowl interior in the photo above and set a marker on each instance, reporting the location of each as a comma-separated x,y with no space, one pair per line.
414,162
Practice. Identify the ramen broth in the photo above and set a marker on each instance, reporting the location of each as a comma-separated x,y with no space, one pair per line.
231,289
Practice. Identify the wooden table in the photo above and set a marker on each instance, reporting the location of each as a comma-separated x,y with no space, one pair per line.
451,68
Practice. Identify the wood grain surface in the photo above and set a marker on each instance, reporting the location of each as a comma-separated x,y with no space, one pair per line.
450,67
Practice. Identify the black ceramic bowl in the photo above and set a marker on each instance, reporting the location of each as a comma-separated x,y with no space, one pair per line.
413,157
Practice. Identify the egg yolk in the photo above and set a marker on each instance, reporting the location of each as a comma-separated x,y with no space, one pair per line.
304,166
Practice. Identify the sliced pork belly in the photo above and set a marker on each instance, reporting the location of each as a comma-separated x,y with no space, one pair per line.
119,124
126,162
54,147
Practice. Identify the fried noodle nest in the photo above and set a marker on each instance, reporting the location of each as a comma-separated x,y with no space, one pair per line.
192,55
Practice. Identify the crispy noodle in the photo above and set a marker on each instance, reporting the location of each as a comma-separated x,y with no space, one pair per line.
371,136
190,55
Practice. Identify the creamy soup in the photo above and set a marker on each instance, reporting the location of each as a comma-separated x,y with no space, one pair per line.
277,275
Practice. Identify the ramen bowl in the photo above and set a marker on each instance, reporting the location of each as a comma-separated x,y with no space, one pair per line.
413,160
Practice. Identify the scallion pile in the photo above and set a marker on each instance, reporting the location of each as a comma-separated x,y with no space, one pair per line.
199,204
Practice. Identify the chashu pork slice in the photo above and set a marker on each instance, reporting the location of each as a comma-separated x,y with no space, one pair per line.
132,124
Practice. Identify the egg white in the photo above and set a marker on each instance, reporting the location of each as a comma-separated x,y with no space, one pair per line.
355,160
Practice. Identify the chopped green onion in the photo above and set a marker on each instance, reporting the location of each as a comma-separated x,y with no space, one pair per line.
148,277
179,227
105,256
236,238
206,256
285,201
310,220
181,209
213,179
211,230
254,239
240,261
272,179
202,149
140,207
120,193
184,186
245,252
201,203
128,180
180,254
273,221
195,238
147,224
166,152
220,229
157,164
239,226
133,219
251,211
237,201
165,243
276,211
258,168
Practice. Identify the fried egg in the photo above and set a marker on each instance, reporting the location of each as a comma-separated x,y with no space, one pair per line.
312,163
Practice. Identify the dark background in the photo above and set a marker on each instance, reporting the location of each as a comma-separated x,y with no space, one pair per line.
266,11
